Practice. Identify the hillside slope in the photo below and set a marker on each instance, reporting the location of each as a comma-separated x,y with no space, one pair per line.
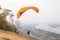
5,35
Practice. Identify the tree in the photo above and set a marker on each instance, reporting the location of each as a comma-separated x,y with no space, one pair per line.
11,17
0,8
3,23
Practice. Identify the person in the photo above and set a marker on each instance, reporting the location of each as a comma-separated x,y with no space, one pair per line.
28,32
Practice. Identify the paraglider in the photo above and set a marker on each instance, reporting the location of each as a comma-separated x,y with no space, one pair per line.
22,10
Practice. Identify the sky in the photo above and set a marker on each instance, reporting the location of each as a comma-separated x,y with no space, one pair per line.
49,10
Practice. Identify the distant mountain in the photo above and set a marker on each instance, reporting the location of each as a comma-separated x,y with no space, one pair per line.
45,35
54,25
47,27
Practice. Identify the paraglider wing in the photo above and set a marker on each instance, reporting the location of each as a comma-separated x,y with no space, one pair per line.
22,10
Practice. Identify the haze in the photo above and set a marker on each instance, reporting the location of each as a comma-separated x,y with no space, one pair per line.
49,10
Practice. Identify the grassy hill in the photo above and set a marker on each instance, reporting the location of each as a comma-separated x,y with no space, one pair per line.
6,35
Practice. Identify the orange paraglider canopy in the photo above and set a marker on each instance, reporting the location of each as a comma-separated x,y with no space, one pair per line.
22,10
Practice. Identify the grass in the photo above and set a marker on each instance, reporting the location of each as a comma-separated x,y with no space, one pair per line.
5,38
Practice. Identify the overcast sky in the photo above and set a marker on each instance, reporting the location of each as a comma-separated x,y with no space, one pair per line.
49,10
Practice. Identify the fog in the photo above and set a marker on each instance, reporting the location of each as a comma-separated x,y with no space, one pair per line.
49,10
48,18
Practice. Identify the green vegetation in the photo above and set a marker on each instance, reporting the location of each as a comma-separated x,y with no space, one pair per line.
5,38
0,8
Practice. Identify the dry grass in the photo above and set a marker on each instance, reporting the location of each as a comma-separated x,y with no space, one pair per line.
5,35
